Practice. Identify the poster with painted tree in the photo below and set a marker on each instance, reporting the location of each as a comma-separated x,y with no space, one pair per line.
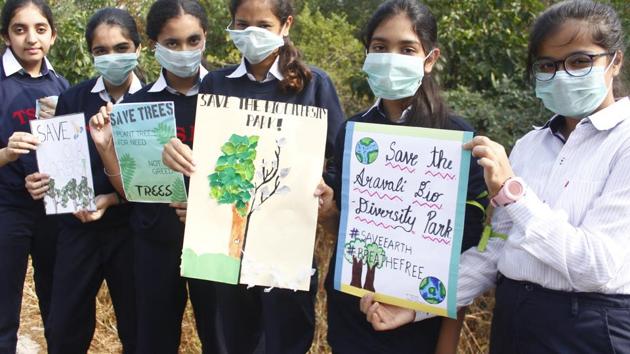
64,155
252,216
140,131
402,214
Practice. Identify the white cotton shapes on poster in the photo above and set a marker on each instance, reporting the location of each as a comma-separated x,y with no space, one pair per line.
283,190
281,141
285,172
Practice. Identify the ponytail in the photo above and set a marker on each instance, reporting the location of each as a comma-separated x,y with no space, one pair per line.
296,73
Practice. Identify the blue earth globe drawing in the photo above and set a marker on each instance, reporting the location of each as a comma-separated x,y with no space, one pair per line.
432,290
366,151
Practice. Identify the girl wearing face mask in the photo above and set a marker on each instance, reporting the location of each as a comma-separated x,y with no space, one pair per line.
402,49
178,30
271,69
563,199
26,76
95,246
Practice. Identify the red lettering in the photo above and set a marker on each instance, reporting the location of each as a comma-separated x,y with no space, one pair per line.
24,115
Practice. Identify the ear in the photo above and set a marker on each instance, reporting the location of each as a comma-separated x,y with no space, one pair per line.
617,63
139,49
53,37
7,41
431,60
152,44
287,27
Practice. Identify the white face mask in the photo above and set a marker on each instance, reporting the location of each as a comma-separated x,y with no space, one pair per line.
184,63
394,76
575,97
255,43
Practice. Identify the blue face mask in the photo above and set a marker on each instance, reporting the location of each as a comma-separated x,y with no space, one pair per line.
115,68
574,97
394,76
184,63
255,43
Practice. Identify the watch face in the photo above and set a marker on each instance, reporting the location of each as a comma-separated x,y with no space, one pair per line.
514,188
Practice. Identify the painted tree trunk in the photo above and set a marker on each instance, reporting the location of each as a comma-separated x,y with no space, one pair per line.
238,233
369,279
357,271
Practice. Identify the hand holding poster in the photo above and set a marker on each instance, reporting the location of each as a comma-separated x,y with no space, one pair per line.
63,154
252,215
403,200
140,131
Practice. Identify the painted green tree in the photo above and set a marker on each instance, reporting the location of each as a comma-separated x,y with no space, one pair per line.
69,193
127,168
375,258
85,194
354,252
53,193
231,183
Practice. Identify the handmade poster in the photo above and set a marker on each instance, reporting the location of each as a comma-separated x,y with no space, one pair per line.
402,218
252,215
140,131
63,154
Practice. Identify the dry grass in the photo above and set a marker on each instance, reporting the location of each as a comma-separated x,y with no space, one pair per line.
474,338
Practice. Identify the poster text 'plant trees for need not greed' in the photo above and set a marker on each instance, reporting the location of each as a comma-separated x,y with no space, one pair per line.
403,200
252,215
140,131
63,154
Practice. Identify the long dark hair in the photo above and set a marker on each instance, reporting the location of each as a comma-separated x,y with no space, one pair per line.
12,6
603,24
296,73
427,107
163,10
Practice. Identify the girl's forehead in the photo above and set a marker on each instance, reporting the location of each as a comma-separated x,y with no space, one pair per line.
29,14
571,36
181,26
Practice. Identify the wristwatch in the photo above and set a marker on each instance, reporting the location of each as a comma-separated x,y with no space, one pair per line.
512,190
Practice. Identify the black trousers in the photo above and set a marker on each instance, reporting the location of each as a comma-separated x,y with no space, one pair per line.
250,321
85,257
161,292
529,319
24,232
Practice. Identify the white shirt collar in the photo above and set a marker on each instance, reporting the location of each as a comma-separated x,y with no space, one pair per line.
604,119
99,87
273,73
377,106
11,65
161,84
612,115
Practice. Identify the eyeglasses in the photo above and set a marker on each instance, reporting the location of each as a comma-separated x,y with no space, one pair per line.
577,65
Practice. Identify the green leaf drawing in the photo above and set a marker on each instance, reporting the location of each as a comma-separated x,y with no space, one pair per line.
164,133
128,169
354,250
231,181
179,190
375,255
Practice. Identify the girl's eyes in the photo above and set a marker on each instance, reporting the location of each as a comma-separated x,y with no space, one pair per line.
194,41
42,30
377,48
409,51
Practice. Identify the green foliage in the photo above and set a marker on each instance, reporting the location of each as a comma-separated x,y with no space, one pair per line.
128,169
354,250
329,42
505,113
179,190
375,256
479,52
164,133
231,182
